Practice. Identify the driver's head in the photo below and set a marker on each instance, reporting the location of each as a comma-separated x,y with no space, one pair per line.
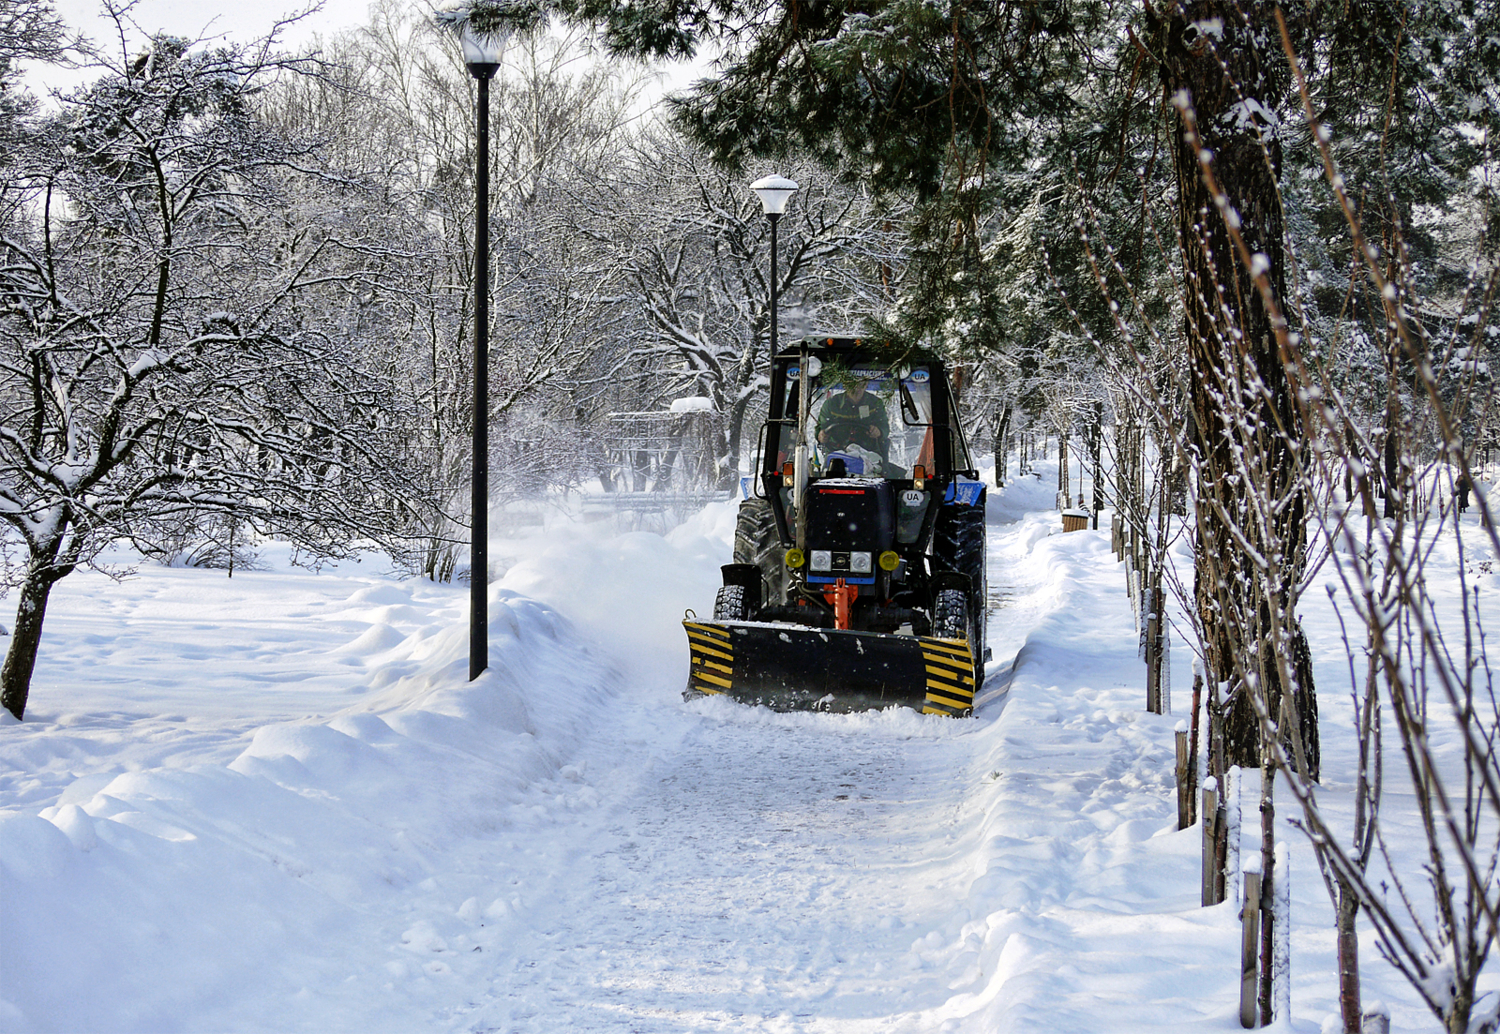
856,388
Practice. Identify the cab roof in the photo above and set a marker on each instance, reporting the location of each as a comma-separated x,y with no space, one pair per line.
876,348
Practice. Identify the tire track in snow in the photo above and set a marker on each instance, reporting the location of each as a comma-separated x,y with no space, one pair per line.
767,873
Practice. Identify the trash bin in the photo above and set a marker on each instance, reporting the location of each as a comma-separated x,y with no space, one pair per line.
1075,520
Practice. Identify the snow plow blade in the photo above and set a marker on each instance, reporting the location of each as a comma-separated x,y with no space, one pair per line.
790,668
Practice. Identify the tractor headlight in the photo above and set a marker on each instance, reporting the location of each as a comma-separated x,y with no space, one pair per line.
859,563
822,560
889,560
794,558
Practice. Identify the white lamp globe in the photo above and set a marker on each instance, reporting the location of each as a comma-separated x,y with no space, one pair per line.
774,192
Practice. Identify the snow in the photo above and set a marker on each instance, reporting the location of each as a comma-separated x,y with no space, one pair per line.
273,802
693,404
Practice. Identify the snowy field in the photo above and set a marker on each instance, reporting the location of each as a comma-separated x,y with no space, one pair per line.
274,803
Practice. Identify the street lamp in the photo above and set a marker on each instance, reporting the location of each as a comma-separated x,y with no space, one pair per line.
483,39
774,192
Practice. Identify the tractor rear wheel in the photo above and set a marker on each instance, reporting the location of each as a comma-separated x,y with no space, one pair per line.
757,542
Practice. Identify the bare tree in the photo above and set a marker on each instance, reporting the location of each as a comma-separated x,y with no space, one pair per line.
692,242
1427,664
394,110
155,357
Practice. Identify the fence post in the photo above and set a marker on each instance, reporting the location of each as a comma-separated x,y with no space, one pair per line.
1213,864
1193,740
1229,833
1184,779
1250,944
1375,1020
1154,600
1153,668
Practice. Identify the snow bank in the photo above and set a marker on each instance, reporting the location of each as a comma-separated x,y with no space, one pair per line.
206,890
627,593
1082,887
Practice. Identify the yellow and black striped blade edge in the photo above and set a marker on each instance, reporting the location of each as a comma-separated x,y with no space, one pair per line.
941,671
949,666
712,664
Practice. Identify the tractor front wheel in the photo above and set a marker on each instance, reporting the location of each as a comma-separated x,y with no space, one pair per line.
729,604
950,615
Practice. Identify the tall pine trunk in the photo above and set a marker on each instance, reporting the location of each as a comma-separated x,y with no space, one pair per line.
1223,88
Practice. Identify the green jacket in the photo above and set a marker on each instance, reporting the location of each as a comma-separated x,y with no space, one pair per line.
843,422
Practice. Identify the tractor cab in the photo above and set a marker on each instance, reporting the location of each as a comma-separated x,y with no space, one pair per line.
868,415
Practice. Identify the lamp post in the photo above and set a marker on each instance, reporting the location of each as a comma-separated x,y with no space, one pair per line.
774,192
482,52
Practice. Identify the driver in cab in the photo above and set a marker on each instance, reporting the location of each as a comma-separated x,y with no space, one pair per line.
854,417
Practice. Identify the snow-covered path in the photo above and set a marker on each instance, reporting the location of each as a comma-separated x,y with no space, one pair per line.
748,873
742,870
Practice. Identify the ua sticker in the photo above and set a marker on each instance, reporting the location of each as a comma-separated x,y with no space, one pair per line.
911,497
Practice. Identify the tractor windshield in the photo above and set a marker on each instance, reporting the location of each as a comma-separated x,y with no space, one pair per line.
870,420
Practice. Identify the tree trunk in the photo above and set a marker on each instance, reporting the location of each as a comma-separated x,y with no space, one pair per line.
667,467
1456,1019
1096,448
640,470
1348,956
1002,428
1064,475
20,660
1391,469
1214,70
1269,918
723,456
735,434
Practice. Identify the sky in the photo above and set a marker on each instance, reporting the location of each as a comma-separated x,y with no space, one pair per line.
241,22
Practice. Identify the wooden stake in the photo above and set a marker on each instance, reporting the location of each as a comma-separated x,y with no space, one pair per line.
1213,864
1184,781
1250,951
1269,919
1155,600
1193,742
1281,954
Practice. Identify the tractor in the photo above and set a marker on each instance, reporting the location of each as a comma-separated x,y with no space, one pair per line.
858,579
